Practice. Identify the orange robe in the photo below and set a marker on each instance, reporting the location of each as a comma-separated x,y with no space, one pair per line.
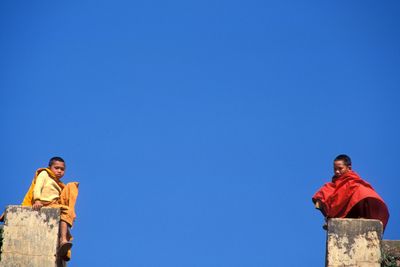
349,196
66,202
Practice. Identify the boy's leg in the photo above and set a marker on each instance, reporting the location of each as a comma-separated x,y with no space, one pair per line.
63,232
67,205
68,198
64,245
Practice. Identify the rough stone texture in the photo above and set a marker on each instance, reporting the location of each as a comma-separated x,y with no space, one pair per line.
354,242
30,238
391,250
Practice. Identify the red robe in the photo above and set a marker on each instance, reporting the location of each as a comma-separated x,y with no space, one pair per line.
349,196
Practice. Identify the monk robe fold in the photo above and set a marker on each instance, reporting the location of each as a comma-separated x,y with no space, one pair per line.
349,196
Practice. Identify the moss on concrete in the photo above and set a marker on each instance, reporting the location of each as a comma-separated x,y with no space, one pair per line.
390,253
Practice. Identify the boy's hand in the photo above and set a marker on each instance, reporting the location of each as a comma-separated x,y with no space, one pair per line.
37,205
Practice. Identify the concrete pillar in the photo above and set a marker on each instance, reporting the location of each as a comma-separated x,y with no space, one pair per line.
353,243
30,238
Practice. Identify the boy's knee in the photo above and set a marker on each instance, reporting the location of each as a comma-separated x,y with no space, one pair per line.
73,184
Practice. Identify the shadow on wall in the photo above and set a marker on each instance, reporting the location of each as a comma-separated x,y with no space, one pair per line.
1,238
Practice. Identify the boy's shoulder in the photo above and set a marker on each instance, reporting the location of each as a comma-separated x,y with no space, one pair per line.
44,172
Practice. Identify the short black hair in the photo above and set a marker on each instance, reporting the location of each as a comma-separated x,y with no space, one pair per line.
53,159
346,159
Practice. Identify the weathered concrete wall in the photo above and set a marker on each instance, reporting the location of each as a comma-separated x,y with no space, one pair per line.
354,243
30,238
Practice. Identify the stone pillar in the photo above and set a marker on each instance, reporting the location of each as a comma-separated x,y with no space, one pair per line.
30,238
353,242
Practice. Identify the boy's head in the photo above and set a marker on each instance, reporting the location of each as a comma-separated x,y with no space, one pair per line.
341,164
57,166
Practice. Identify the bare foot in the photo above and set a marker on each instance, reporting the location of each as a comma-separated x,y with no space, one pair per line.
63,249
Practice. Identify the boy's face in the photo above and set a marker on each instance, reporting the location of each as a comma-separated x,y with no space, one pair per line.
58,168
340,168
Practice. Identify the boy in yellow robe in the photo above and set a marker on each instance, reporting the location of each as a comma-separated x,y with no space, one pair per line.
47,190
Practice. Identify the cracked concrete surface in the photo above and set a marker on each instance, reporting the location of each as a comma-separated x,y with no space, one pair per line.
30,237
354,243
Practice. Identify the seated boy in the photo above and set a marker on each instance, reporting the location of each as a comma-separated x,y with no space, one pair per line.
349,196
47,190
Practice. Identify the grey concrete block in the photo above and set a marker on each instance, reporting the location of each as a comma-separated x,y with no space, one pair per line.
354,242
30,238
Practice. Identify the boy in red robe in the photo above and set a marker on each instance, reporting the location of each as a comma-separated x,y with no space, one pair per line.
349,196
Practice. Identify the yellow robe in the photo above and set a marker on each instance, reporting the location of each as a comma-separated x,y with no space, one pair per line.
28,199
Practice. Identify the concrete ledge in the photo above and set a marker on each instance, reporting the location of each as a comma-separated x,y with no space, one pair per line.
354,242
30,238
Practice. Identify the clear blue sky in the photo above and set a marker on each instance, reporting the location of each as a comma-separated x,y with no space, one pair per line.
199,130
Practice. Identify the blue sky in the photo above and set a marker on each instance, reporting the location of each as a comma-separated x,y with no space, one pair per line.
199,130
